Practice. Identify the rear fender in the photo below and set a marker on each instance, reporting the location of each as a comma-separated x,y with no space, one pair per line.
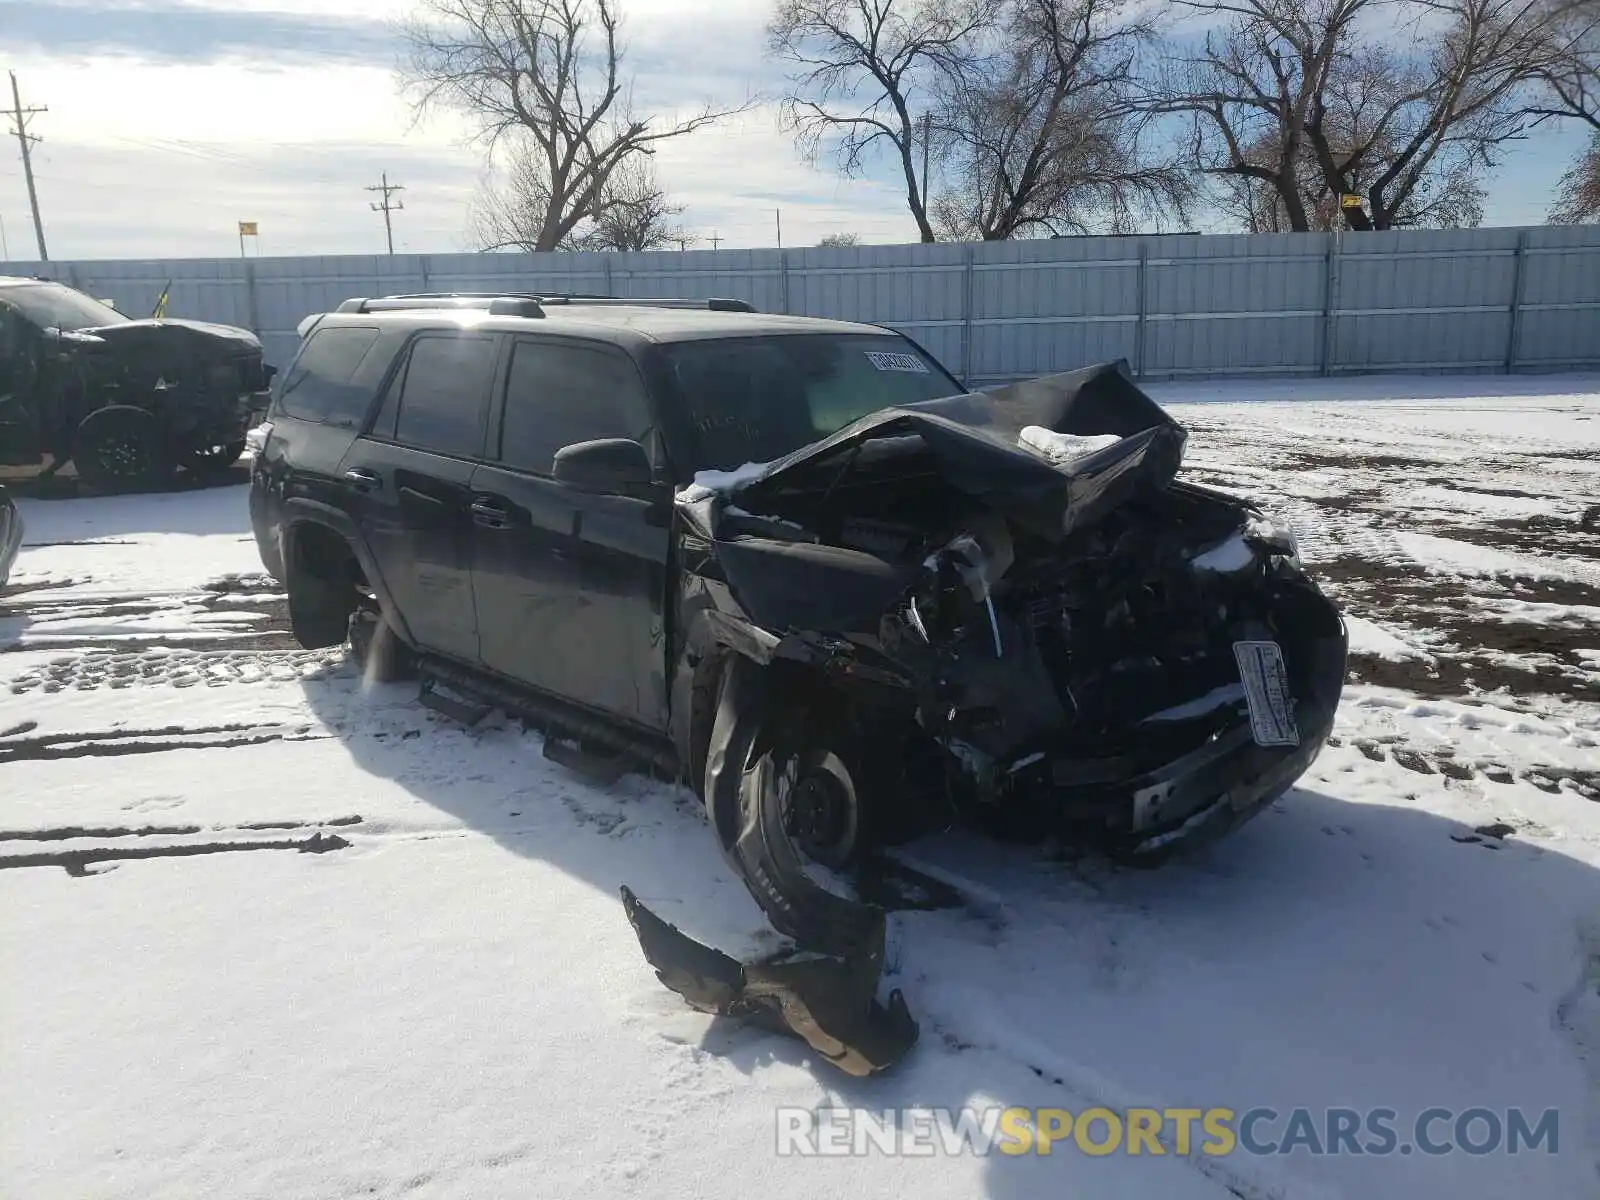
300,510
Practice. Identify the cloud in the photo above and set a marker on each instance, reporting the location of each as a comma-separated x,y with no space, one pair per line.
183,33
130,202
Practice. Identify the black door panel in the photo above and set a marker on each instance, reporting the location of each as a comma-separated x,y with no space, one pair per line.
570,585
415,523
567,592
409,484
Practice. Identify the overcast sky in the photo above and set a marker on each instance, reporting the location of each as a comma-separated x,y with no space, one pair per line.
171,120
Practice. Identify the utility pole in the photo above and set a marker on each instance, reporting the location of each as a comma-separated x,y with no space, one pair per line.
386,208
927,129
20,115
715,241
778,212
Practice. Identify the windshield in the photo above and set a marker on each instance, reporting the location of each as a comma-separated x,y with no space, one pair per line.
56,306
755,399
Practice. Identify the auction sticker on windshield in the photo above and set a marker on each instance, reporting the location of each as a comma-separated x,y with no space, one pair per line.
885,361
1266,690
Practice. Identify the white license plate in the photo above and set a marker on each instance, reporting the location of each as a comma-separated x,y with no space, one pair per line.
1266,690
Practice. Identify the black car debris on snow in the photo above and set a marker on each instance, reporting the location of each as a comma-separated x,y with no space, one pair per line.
127,401
928,606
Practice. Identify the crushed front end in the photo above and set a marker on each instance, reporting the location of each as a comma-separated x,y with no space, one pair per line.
1097,649
1013,597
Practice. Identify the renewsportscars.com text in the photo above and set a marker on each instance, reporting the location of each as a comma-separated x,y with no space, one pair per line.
923,1132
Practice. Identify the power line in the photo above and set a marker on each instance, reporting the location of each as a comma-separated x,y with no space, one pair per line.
20,116
386,208
715,240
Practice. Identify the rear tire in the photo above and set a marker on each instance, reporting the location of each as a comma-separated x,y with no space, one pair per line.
121,448
377,650
319,575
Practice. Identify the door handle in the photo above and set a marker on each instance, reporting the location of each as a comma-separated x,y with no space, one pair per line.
489,514
363,480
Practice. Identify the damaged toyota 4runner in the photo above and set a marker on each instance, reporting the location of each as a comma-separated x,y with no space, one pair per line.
799,565
126,401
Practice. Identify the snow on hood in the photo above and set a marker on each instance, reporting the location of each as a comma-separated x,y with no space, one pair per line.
1063,448
709,483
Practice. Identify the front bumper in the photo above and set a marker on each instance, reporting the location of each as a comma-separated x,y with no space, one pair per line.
1222,784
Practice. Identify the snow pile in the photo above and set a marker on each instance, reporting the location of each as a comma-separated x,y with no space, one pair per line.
1464,558
1064,448
1370,638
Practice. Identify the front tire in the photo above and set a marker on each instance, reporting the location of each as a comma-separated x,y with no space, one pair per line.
786,797
121,448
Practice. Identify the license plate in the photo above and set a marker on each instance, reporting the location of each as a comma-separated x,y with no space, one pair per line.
1266,690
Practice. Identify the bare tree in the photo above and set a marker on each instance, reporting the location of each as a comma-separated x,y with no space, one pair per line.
1572,91
1311,100
862,69
1402,126
840,239
549,74
1578,197
1249,88
1443,200
636,214
1572,74
1043,134
633,212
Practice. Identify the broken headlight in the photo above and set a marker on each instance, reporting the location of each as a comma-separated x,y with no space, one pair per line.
1277,534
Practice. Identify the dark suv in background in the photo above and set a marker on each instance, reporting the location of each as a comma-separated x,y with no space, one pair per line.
796,563
128,401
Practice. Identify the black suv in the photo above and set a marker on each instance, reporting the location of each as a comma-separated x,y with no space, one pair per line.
127,401
798,564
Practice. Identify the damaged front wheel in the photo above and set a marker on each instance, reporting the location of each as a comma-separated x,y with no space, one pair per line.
804,825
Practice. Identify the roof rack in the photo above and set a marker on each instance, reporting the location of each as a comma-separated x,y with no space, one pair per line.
528,304
713,304
499,304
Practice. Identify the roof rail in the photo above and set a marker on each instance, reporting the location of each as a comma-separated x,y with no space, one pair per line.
713,304
529,304
499,304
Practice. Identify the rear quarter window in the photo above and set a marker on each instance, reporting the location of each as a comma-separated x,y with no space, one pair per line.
439,402
320,385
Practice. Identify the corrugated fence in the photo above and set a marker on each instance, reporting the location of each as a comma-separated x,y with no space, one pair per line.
1173,305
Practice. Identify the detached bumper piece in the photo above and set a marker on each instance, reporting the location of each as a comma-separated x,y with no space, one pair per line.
828,1001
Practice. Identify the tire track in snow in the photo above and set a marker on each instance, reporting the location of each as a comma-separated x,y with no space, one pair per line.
180,668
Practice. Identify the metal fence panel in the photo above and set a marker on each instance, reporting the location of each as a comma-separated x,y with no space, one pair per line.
1172,305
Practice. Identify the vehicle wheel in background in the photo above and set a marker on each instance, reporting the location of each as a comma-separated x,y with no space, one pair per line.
120,448
212,460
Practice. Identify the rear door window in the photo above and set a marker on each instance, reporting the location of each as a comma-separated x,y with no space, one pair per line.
439,402
319,385
558,393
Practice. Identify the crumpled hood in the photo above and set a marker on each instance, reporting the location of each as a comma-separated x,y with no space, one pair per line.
150,332
976,443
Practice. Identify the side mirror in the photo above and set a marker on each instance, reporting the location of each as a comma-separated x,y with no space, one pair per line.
604,465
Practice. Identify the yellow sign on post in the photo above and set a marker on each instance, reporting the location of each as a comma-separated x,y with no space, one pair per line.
247,229
1349,200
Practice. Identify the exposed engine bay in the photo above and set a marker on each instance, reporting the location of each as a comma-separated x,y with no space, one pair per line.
1011,597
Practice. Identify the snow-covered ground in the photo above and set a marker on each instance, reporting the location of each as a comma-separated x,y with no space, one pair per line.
268,932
